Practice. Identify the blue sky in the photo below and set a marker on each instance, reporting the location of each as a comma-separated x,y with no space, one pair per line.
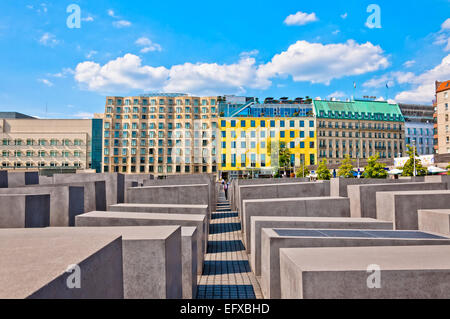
257,48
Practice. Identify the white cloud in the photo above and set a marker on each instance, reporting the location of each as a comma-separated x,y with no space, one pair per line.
424,84
443,36
88,19
48,39
46,82
304,61
122,24
319,63
84,115
91,54
62,74
148,45
336,32
446,24
300,18
390,79
111,13
212,78
409,63
337,94
249,53
128,73
124,73
344,16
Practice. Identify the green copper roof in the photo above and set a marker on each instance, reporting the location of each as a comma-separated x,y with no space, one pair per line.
358,110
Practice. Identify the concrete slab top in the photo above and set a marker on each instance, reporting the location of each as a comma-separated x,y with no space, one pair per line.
437,211
188,231
277,184
424,192
318,219
127,232
134,215
9,195
359,258
353,233
168,186
289,199
161,205
33,257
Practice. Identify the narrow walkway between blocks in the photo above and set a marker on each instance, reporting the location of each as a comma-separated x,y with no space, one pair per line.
226,270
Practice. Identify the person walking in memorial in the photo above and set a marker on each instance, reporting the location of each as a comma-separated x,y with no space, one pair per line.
225,189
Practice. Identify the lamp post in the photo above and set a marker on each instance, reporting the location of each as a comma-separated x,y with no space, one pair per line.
360,144
414,154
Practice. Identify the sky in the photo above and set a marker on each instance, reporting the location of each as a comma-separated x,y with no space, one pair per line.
394,50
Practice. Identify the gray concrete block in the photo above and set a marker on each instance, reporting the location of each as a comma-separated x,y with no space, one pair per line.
189,179
260,222
282,190
298,207
24,211
19,179
114,183
3,179
45,180
189,261
160,208
134,180
152,262
271,243
31,269
435,221
102,219
338,186
439,178
401,207
363,197
170,194
65,201
94,194
342,273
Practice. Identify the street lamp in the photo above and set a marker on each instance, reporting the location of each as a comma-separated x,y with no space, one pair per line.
414,154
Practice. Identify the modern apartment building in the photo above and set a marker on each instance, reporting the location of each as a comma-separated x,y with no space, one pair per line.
443,114
160,133
252,133
360,129
419,127
26,142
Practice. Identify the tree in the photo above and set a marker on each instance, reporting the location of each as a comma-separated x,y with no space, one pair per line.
408,169
448,168
346,169
303,171
284,157
374,169
323,173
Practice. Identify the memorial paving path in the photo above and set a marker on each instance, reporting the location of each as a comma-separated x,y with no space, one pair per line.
226,270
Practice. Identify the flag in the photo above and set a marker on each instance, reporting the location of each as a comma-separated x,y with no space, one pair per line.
387,86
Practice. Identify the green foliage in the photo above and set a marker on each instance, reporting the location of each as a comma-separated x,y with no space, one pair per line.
284,156
374,169
323,173
277,173
408,169
346,169
302,172
448,167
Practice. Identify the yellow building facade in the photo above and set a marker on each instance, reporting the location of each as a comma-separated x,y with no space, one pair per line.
252,143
